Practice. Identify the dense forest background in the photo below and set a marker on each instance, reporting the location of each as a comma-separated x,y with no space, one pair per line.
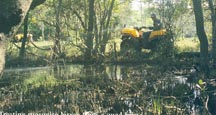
89,31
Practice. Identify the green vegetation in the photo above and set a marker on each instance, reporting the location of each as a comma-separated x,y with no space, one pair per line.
88,33
73,54
187,45
65,36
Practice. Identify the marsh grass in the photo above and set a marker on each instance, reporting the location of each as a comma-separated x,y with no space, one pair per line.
71,53
187,45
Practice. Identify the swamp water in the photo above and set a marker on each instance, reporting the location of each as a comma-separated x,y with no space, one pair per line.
104,89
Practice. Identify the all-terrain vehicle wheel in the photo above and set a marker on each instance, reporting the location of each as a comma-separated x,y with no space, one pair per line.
158,44
126,45
129,43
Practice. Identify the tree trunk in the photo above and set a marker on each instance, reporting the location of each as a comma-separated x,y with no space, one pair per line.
204,60
22,50
104,33
213,19
90,36
12,12
107,33
57,46
3,45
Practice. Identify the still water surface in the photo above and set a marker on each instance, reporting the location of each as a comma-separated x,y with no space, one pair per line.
103,89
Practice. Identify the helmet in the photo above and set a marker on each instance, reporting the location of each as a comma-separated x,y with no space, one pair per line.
153,15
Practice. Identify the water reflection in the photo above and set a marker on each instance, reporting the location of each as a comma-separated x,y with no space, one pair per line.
115,89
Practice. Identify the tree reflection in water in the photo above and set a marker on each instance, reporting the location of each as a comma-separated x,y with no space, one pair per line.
79,89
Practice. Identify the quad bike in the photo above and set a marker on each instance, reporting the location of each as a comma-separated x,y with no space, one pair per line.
138,38
19,37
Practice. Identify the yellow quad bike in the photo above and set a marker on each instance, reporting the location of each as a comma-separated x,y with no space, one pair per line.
20,36
138,38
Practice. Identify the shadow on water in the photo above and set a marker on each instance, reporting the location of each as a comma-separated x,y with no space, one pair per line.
115,89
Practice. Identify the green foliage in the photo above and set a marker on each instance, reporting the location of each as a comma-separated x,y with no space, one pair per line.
38,80
157,107
187,45
73,22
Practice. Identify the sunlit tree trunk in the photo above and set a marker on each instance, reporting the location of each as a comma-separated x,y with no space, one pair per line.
106,34
102,30
204,59
57,46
